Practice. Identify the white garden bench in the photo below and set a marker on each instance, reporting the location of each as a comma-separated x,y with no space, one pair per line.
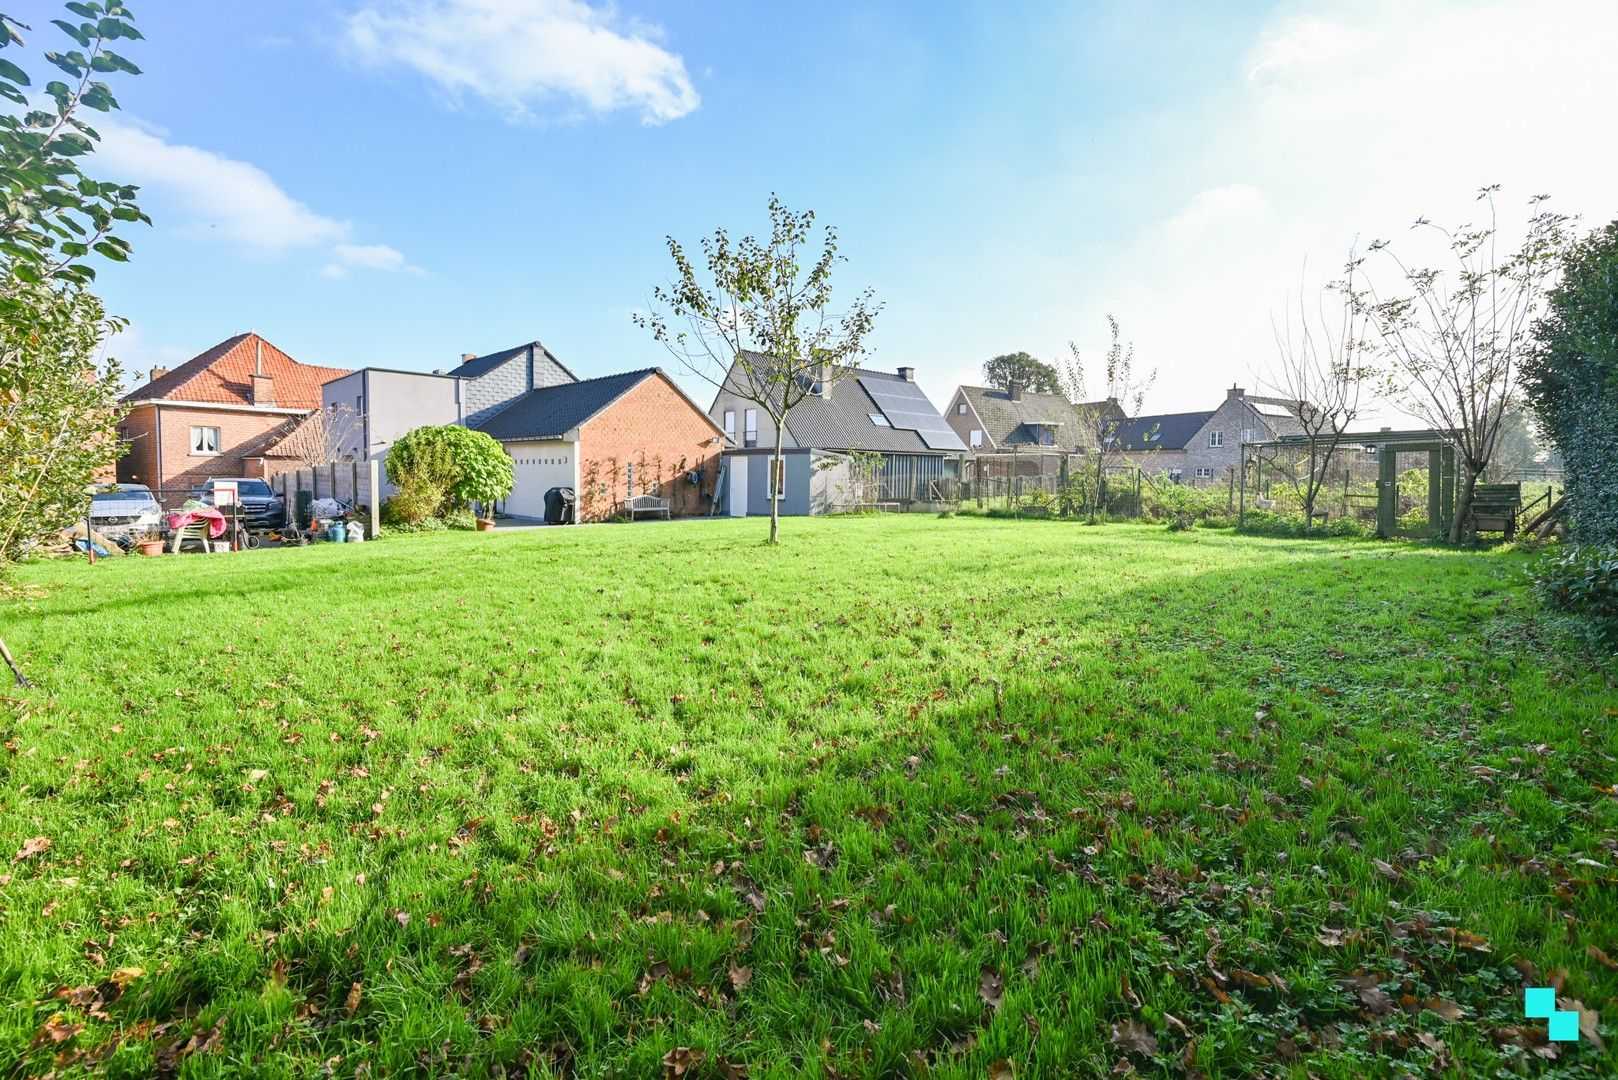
646,504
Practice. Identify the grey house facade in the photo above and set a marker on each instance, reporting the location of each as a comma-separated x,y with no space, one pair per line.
861,411
387,402
1206,447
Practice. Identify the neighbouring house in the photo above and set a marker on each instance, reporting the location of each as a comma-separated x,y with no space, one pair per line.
609,438
387,402
1205,447
221,413
1035,428
861,412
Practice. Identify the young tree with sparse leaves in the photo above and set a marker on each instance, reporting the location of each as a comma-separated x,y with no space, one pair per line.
1321,370
1455,340
758,321
1121,385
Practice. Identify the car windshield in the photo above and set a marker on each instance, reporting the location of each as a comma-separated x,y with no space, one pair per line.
121,496
253,489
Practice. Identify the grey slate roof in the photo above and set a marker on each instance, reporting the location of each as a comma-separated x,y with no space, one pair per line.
1006,422
1170,431
552,411
841,420
471,369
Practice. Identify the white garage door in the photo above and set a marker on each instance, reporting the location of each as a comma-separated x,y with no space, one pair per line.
539,466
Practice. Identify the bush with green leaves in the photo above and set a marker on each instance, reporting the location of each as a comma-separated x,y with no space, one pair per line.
442,468
1270,523
1583,580
1572,382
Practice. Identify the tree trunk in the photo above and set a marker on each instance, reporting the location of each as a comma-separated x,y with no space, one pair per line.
776,462
1463,502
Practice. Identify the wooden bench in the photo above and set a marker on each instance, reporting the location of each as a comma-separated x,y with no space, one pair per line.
1495,508
646,504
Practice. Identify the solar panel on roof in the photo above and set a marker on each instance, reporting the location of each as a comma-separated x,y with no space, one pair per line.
907,407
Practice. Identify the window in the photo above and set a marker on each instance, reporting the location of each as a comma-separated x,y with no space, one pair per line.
1247,434
1175,475
1216,438
778,468
730,424
1153,436
1204,474
359,404
204,440
750,436
977,437
960,410
879,420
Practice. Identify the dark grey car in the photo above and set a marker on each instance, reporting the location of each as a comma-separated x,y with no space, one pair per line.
258,507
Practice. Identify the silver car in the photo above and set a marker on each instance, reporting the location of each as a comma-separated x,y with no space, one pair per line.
126,512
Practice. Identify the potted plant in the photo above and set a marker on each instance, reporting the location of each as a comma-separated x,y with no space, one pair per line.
150,545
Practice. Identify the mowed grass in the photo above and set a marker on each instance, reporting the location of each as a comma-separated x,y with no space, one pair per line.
904,797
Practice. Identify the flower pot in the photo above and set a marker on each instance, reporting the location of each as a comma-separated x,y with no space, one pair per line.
485,524
150,547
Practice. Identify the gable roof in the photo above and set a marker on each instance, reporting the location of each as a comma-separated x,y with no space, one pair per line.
1006,422
841,419
1169,431
223,375
550,412
482,365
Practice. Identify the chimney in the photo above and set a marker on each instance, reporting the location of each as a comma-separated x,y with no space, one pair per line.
158,372
258,356
908,374
1014,390
262,390
823,380
1235,393
468,357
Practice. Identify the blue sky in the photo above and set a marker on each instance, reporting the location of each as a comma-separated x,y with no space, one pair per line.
394,182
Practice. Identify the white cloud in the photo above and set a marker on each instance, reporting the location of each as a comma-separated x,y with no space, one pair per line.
1344,122
525,56
219,198
367,257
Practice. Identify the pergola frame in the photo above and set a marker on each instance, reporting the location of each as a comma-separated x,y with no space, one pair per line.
1438,447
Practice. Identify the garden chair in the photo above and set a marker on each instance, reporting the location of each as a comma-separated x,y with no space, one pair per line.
198,531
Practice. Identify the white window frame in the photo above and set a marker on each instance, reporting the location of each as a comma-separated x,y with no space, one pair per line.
1216,439
730,424
1247,435
976,438
960,410
750,431
1204,473
199,442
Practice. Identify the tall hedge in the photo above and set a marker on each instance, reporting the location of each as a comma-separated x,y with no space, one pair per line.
1572,381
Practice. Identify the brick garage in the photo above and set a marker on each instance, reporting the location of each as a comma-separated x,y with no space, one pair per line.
609,438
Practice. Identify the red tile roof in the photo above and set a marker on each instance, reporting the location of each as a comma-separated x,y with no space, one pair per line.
223,374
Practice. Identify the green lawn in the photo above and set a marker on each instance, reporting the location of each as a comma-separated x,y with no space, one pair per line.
904,797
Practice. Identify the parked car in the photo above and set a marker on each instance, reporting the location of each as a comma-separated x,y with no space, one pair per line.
257,505
126,513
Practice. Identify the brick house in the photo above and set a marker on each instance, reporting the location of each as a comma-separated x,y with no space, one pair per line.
863,411
218,414
608,439
1206,447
